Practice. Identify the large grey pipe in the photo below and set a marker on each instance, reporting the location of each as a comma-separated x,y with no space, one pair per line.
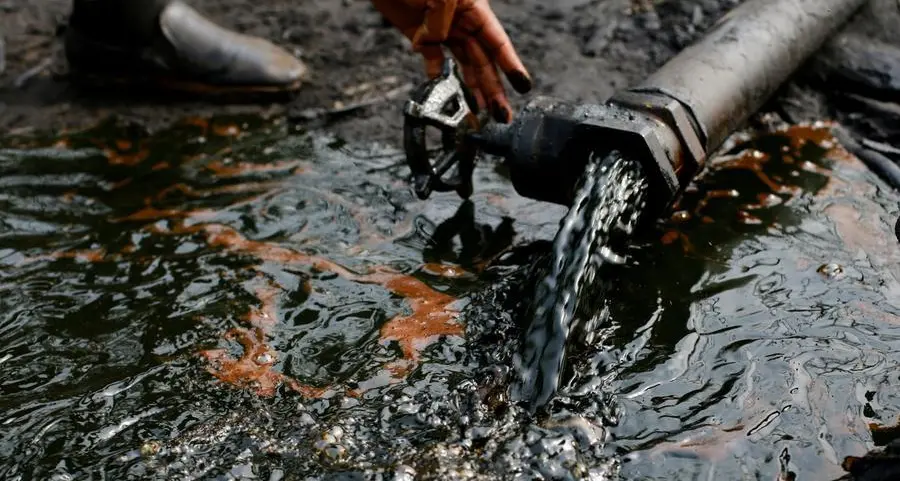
678,115
728,75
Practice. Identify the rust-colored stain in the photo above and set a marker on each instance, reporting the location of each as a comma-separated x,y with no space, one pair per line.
764,201
445,270
266,315
710,195
669,237
694,203
226,130
755,161
253,369
199,122
430,319
818,133
883,435
116,157
672,236
747,218
432,316
90,255
235,169
152,213
84,255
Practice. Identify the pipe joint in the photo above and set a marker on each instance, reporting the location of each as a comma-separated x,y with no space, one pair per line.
677,115
639,135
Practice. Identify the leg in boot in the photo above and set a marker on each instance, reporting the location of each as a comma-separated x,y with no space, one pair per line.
167,44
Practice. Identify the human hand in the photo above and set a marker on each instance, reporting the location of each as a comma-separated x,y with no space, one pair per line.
473,34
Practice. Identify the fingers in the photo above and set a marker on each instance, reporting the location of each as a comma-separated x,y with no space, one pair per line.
434,59
488,81
397,15
476,38
469,76
499,47
438,18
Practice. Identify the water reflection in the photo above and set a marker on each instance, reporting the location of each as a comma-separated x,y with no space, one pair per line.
781,357
232,298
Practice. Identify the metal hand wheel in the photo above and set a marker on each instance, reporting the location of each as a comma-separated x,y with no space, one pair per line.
446,104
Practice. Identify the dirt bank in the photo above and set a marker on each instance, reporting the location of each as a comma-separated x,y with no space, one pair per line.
576,49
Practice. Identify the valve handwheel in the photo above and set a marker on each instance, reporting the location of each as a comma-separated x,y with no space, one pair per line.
446,104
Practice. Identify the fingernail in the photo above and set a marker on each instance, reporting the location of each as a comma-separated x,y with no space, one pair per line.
520,81
501,113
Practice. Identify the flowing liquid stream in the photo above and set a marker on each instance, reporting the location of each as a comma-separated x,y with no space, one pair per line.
606,210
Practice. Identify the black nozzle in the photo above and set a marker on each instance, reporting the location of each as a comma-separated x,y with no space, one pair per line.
534,148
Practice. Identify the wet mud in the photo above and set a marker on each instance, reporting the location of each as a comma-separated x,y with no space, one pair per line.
238,297
241,303
578,50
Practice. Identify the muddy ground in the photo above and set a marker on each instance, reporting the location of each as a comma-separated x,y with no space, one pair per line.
347,45
575,49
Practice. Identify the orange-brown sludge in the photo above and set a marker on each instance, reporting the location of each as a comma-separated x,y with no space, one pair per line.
710,195
444,270
235,169
82,255
91,255
116,157
226,130
754,161
152,213
253,369
430,314
431,318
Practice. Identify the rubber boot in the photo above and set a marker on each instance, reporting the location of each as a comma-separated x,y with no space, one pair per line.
166,44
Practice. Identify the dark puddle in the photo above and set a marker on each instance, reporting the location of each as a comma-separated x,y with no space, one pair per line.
234,299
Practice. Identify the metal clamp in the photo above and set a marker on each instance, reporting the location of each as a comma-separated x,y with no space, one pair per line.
446,104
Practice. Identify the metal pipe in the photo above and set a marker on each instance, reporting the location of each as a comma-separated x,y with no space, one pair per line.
677,116
729,74
669,123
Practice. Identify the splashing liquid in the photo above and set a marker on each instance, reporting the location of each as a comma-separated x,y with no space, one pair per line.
606,210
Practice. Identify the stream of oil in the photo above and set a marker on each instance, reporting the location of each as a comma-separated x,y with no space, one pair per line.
606,209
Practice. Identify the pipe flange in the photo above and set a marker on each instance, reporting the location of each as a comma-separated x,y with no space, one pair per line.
640,136
679,118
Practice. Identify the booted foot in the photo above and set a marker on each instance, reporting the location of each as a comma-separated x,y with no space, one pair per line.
179,50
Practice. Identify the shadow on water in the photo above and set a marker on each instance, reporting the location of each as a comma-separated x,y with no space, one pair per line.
233,298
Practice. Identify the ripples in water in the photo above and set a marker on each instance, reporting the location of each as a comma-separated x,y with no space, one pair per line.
235,299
